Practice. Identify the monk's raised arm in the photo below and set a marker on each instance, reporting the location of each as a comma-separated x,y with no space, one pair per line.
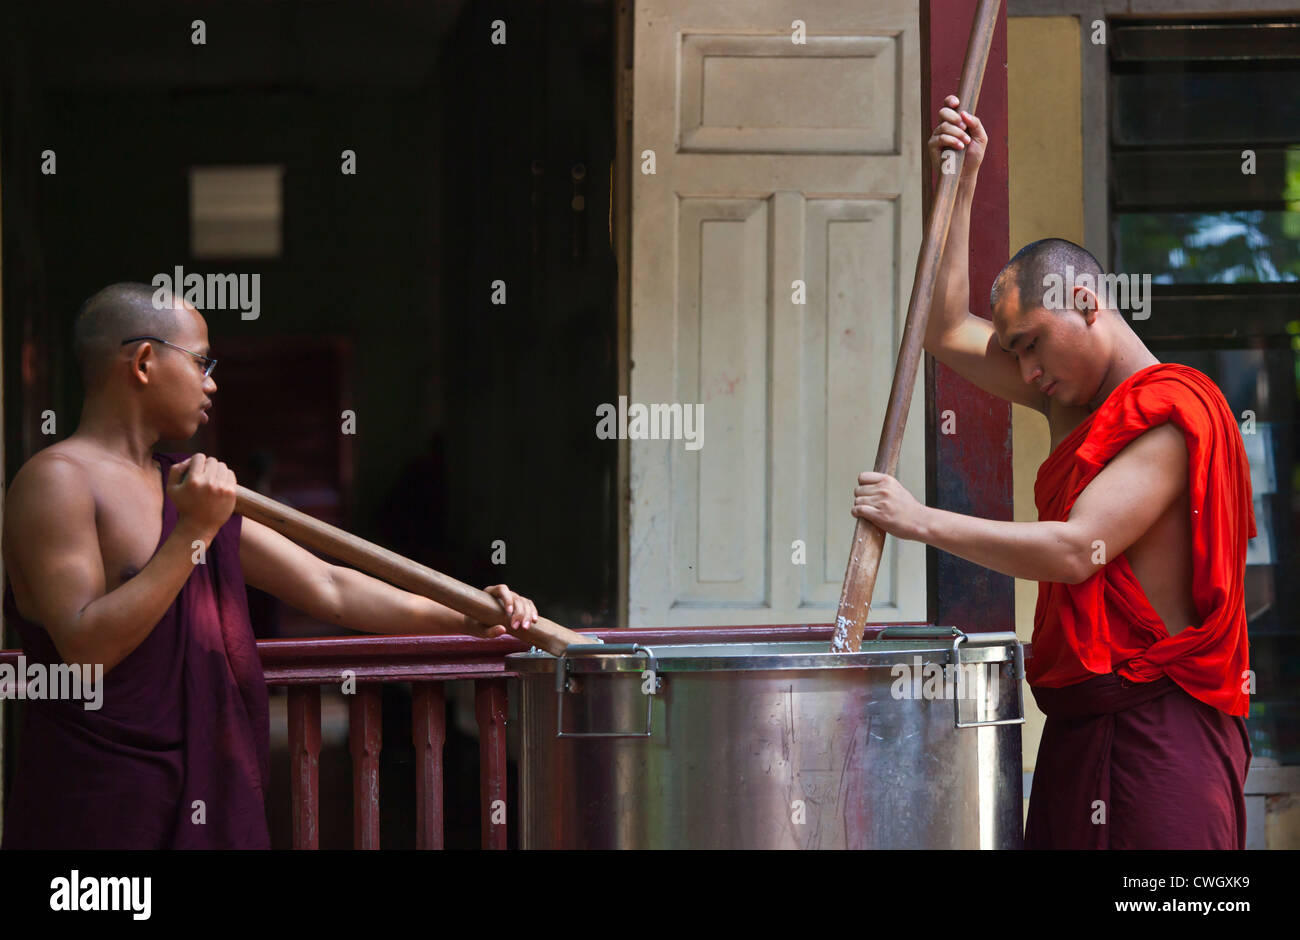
962,341
51,545
1127,496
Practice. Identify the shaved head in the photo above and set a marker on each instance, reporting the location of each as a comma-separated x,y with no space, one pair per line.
113,314
1052,314
1029,269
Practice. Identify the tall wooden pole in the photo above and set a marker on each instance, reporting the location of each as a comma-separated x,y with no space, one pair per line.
868,540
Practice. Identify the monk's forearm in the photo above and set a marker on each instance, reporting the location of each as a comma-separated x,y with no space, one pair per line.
952,278
1034,551
373,606
111,627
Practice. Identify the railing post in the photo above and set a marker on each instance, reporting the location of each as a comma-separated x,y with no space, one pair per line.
304,770
366,733
429,734
490,709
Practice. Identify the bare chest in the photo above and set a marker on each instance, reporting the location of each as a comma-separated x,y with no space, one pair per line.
128,518
1161,560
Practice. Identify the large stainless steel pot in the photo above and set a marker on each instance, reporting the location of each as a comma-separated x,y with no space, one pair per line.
774,745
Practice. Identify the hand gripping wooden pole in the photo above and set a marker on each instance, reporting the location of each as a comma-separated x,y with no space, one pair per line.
397,569
868,540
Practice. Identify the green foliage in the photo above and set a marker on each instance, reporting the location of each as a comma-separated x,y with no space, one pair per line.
1242,247
1237,247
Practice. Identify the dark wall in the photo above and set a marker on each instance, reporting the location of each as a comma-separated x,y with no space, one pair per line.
474,422
358,250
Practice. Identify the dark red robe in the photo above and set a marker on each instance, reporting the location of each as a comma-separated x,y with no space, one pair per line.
184,720
1145,745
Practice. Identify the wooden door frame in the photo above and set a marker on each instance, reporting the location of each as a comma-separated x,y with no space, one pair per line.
621,183
977,475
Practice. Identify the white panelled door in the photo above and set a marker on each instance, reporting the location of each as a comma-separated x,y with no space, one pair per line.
775,162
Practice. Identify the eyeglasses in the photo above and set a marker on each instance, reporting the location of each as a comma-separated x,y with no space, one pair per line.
208,363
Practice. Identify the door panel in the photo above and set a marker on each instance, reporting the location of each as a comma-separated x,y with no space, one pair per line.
775,162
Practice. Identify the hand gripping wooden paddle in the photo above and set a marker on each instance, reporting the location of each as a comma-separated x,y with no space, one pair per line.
868,540
397,569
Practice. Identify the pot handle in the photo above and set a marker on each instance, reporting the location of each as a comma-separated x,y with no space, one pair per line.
920,633
958,638
585,649
1018,679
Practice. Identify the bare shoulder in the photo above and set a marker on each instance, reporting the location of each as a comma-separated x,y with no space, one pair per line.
57,471
1156,460
1164,443
53,485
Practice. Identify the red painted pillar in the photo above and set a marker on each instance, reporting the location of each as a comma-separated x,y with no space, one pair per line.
429,732
970,471
304,772
365,734
490,709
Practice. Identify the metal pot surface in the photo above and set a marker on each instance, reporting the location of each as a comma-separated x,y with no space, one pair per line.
914,742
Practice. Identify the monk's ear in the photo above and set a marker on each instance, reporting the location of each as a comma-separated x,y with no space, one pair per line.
141,362
1084,300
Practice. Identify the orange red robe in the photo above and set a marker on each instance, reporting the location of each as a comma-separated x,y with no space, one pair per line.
1145,744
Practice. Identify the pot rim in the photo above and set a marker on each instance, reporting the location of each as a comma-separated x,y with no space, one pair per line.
773,656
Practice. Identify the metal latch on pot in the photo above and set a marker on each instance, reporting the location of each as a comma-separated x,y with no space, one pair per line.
564,683
958,638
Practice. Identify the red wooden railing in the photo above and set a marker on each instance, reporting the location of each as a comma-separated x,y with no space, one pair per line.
305,665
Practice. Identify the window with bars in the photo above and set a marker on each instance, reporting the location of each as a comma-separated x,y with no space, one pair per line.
1204,192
